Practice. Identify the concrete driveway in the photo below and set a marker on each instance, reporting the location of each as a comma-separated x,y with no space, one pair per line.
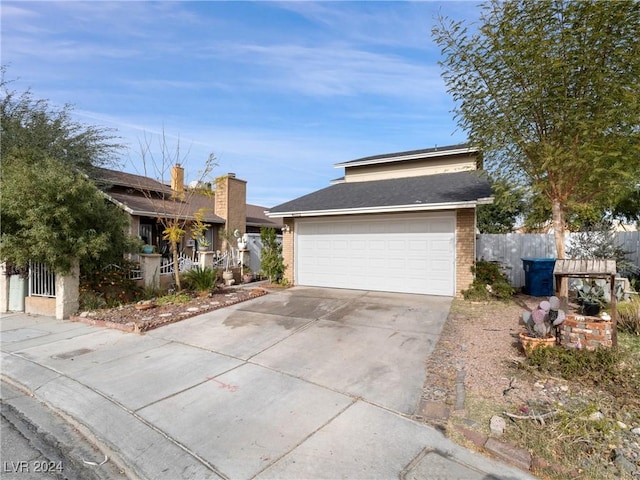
301,383
362,344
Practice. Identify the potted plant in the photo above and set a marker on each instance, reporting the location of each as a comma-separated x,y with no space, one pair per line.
541,325
591,298
147,249
229,238
198,231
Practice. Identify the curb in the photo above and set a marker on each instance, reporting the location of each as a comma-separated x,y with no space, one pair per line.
56,438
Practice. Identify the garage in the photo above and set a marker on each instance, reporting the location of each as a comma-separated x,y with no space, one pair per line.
411,253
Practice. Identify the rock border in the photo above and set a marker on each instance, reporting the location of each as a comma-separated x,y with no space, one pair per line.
133,327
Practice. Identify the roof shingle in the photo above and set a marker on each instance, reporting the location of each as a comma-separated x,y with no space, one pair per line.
428,189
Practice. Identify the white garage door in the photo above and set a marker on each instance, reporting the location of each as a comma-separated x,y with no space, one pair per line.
392,253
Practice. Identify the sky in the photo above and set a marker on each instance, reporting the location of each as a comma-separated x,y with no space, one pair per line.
278,91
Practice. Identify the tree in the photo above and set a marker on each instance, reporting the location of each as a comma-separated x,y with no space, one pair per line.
507,207
548,90
52,215
32,125
51,212
173,210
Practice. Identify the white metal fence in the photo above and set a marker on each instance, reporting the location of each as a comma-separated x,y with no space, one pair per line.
42,282
509,249
184,263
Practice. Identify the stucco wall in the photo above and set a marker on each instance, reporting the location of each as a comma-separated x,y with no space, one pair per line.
413,168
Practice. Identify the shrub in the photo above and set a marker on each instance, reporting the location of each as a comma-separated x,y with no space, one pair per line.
112,283
200,279
271,260
629,316
174,298
591,366
489,282
89,300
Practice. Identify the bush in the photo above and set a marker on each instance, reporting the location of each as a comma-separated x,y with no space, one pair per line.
629,316
200,279
271,261
89,300
590,366
489,282
111,283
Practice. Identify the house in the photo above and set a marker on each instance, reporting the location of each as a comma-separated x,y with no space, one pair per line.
399,222
221,206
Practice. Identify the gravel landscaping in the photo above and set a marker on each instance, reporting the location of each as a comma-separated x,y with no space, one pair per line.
479,372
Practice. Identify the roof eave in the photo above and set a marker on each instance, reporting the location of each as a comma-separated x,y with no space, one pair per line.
380,209
414,156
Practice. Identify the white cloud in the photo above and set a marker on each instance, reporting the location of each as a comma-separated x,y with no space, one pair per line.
329,70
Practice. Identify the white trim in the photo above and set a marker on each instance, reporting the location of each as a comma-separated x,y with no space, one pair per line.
419,207
400,157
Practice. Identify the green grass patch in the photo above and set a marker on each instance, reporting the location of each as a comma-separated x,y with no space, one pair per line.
175,298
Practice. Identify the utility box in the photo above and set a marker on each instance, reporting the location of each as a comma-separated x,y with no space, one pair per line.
538,276
18,290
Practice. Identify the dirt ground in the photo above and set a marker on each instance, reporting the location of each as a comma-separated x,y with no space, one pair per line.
479,345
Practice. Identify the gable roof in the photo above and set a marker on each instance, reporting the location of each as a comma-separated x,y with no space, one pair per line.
459,149
127,191
104,176
428,192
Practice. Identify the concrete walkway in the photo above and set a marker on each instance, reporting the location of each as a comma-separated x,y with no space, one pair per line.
301,383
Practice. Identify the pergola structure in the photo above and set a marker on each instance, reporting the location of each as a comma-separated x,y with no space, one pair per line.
590,268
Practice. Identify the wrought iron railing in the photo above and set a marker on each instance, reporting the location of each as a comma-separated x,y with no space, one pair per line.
42,282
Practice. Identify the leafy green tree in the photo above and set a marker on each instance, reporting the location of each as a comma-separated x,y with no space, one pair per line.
548,90
30,125
51,212
53,215
508,206
627,207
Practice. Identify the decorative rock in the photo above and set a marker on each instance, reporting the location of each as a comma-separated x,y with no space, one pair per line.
497,425
636,431
193,309
622,425
165,314
84,314
595,416
623,464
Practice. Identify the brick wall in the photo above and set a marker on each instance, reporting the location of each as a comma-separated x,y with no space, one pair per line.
465,247
287,251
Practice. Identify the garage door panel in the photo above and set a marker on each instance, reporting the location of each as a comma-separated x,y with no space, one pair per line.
414,255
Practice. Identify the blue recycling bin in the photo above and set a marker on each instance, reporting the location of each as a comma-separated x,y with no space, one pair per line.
538,276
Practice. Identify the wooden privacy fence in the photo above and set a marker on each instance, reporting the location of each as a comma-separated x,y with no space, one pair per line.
509,249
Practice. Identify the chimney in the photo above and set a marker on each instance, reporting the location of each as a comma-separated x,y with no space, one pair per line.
177,178
231,202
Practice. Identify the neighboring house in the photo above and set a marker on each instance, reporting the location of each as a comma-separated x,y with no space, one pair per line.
400,222
146,199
